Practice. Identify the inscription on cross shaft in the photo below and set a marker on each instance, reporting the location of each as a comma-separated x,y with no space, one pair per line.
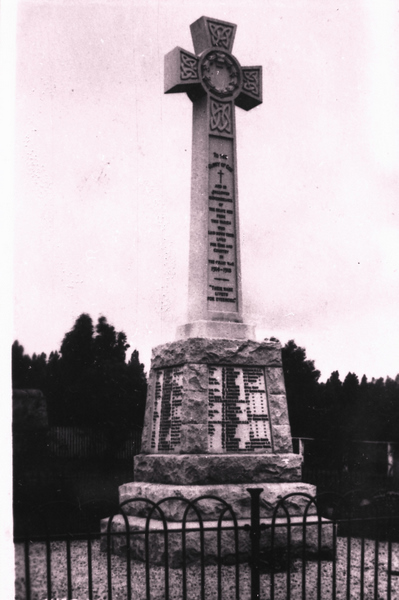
216,83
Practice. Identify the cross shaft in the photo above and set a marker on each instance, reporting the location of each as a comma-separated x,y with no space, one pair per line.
215,82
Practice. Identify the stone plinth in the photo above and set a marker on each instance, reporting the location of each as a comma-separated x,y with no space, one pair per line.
206,469
210,396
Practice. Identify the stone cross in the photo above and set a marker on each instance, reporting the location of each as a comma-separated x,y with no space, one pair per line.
215,82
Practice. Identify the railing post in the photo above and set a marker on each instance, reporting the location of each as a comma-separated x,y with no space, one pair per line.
255,541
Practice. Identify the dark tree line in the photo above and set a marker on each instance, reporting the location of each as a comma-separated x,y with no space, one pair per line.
88,382
337,410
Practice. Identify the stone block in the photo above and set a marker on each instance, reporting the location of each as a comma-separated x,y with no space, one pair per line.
194,438
282,441
202,469
196,378
278,408
275,380
235,495
149,409
194,408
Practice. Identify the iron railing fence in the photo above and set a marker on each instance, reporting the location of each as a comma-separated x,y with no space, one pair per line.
337,547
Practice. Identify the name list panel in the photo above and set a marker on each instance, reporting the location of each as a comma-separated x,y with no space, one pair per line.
167,410
238,417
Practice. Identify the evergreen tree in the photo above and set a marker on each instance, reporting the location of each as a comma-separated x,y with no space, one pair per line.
88,383
301,379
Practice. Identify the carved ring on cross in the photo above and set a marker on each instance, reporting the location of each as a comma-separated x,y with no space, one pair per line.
220,73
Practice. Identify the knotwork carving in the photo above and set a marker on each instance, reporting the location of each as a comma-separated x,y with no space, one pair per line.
188,66
251,81
220,117
220,35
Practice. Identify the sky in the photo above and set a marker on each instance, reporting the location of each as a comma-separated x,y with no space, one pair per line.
102,163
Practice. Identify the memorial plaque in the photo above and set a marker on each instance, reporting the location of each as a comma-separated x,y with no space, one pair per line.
222,259
167,410
238,417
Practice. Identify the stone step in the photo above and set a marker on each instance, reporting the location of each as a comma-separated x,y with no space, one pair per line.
300,544
236,495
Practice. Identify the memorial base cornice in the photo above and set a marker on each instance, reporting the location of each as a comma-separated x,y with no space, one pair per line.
216,330
206,469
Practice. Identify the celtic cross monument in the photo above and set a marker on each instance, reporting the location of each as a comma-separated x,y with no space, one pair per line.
216,419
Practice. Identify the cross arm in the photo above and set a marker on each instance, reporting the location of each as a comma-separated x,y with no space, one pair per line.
181,73
251,91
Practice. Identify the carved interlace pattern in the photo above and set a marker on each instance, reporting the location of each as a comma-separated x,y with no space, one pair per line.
188,66
251,81
220,35
220,117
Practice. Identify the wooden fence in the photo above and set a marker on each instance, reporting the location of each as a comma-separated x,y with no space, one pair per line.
73,442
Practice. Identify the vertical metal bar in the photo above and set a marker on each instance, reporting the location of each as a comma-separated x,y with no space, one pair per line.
288,556
166,542
89,567
318,556
255,541
109,565
348,559
147,557
27,568
376,556
128,562
69,568
334,565
219,546
389,566
362,561
304,532
272,536
48,563
184,567
236,541
202,552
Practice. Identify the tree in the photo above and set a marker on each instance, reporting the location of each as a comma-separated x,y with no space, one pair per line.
21,366
301,379
88,383
92,383
77,347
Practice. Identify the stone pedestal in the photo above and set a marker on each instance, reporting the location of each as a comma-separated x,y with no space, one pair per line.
216,424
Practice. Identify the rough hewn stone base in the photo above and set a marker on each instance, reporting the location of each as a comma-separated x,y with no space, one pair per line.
191,361
217,351
236,496
205,469
156,544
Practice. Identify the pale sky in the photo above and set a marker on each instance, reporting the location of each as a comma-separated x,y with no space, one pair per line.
102,174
